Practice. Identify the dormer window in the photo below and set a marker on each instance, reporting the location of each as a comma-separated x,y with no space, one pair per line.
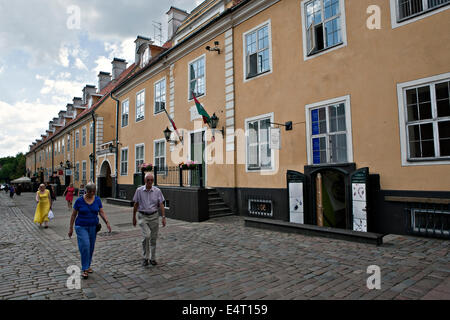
145,57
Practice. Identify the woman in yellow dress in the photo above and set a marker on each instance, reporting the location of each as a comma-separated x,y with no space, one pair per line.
44,205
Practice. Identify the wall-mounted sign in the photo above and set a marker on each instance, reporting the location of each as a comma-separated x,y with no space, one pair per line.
68,172
275,138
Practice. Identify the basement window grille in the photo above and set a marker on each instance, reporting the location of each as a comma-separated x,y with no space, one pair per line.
259,207
430,222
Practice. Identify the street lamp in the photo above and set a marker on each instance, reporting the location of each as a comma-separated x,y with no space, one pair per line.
167,134
213,124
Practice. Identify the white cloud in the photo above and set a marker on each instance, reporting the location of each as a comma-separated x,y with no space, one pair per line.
64,56
33,118
80,64
103,64
1,69
61,89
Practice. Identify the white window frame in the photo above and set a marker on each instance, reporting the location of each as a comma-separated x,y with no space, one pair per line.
395,14
91,133
77,139
145,57
83,136
305,35
203,56
122,161
62,146
136,107
136,169
165,154
348,123
84,170
127,113
272,153
404,143
267,23
77,171
163,80
68,143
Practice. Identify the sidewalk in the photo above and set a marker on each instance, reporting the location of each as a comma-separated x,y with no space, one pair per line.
217,259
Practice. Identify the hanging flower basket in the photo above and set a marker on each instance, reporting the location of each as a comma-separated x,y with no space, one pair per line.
189,165
146,167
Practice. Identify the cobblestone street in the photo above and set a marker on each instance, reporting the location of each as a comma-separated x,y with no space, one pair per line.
217,259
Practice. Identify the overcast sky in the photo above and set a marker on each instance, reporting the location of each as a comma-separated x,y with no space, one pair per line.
47,55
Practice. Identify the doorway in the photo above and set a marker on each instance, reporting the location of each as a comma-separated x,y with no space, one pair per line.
331,198
105,181
197,154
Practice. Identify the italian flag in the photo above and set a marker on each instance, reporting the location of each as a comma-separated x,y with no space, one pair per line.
201,110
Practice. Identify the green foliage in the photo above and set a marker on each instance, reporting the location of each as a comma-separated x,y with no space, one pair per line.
12,167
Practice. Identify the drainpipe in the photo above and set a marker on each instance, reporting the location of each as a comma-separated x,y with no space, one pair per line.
93,148
117,146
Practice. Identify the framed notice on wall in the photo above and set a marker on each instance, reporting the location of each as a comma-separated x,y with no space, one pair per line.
275,138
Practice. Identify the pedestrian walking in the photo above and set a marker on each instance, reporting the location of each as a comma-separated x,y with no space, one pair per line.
81,191
147,199
70,190
12,190
44,205
50,188
85,216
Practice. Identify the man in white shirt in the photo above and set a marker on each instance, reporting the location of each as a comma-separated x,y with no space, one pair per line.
147,199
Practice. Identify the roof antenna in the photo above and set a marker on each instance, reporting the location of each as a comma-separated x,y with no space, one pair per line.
157,32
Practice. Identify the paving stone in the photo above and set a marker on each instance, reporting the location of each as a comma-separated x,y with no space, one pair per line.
219,259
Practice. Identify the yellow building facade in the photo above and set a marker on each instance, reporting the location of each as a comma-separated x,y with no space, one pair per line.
330,112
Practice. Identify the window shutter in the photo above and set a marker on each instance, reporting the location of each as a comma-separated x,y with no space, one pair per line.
311,39
253,65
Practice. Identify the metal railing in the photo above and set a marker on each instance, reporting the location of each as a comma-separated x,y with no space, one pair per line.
428,219
259,205
176,176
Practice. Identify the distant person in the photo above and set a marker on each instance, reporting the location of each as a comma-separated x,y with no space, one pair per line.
81,191
44,202
53,192
12,190
70,190
85,216
19,189
6,188
147,200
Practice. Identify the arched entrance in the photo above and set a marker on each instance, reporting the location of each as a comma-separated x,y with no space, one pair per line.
105,181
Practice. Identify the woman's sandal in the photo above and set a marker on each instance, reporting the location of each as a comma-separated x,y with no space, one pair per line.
85,274
89,270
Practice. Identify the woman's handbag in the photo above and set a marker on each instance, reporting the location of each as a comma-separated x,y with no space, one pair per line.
51,215
99,227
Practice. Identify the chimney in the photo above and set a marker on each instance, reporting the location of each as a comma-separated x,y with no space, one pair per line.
175,18
70,109
104,78
88,91
118,66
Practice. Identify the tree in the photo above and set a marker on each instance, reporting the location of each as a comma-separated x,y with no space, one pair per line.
12,167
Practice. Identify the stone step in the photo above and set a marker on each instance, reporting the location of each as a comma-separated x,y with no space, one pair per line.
219,211
221,215
218,205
